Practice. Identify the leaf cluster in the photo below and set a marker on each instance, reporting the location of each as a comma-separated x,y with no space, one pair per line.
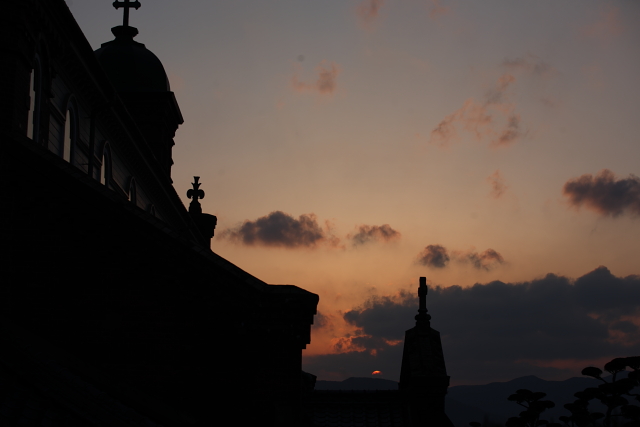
616,395
534,406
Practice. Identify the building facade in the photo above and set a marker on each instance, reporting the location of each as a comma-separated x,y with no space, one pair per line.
106,275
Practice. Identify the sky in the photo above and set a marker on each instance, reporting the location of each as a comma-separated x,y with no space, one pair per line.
349,147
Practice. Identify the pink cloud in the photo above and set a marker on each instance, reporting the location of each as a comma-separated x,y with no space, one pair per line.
494,119
437,10
498,184
367,11
607,26
326,82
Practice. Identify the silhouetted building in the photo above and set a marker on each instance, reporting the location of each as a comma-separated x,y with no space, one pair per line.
114,309
419,400
423,375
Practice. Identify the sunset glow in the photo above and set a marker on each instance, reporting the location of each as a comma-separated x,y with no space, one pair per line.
350,147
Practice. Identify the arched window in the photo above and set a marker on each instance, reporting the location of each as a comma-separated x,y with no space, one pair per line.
152,210
133,191
35,94
70,132
105,167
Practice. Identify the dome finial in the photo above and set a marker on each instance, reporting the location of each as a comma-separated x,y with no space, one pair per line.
126,4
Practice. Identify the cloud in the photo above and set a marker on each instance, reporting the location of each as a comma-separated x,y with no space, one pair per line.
486,260
324,85
604,193
435,256
281,229
530,64
320,320
494,118
437,10
607,26
552,327
498,185
496,95
510,133
373,233
367,11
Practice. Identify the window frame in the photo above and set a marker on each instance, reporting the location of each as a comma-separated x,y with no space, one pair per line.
105,165
71,129
133,191
35,100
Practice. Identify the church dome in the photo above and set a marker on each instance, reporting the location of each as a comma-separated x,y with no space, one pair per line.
131,67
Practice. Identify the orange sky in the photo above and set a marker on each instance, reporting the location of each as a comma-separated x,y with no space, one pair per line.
337,141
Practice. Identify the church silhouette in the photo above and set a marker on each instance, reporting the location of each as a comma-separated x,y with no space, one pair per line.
114,310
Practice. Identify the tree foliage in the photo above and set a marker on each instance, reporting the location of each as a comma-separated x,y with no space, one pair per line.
616,394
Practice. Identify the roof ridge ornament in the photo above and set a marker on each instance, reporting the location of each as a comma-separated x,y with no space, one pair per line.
423,318
195,193
126,4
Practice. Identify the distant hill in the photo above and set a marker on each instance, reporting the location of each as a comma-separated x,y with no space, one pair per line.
358,383
468,403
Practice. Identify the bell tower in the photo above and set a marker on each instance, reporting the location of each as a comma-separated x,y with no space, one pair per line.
142,84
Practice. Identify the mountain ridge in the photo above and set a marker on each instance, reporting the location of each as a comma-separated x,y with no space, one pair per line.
484,402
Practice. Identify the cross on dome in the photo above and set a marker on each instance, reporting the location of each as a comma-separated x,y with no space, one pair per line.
126,4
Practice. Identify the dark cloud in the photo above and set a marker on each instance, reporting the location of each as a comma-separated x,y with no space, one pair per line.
325,84
320,320
486,260
279,229
624,326
435,256
498,331
372,233
604,193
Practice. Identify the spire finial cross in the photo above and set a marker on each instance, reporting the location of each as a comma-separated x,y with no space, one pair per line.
126,4
195,193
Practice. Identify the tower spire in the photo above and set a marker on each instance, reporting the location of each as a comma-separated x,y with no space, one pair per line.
423,318
423,375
